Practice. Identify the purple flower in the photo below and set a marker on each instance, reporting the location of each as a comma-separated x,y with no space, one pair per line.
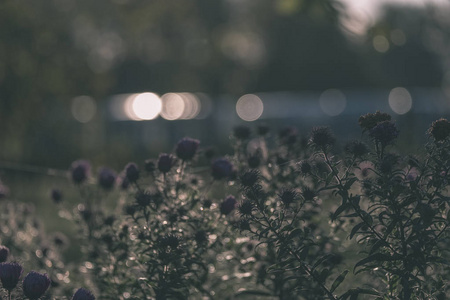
106,178
165,162
56,195
132,172
384,132
4,253
186,148
35,285
10,274
80,170
83,294
222,168
228,205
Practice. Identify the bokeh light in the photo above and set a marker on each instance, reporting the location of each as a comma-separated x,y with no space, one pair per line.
83,108
249,107
400,100
172,106
380,43
146,106
332,102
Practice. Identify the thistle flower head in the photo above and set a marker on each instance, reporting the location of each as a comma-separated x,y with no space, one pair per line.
10,274
228,205
384,132
165,162
250,178
304,167
322,137
187,148
80,170
132,172
106,178
222,168
369,121
246,208
83,294
440,129
4,253
287,196
357,148
35,285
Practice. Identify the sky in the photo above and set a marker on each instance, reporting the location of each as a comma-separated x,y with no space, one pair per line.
362,13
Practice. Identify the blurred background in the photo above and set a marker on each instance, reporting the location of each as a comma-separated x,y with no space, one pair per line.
120,80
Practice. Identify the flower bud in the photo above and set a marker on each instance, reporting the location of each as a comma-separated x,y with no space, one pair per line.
83,294
186,148
221,168
4,253
228,205
56,195
132,172
106,178
10,274
80,171
165,162
35,285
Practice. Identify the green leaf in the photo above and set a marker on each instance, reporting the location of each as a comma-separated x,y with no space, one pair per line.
356,291
355,229
338,280
321,260
252,293
340,210
380,257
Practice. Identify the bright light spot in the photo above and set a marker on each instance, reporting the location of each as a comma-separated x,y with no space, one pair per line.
400,100
398,37
332,102
249,107
146,106
191,106
172,106
83,108
380,43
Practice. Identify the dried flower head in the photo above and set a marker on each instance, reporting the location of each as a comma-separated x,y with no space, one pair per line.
222,168
10,274
169,241
106,178
250,178
35,285
322,137
287,196
246,208
304,167
165,162
187,148
357,148
4,253
83,294
132,172
308,194
241,132
440,129
384,132
228,205
369,121
80,170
